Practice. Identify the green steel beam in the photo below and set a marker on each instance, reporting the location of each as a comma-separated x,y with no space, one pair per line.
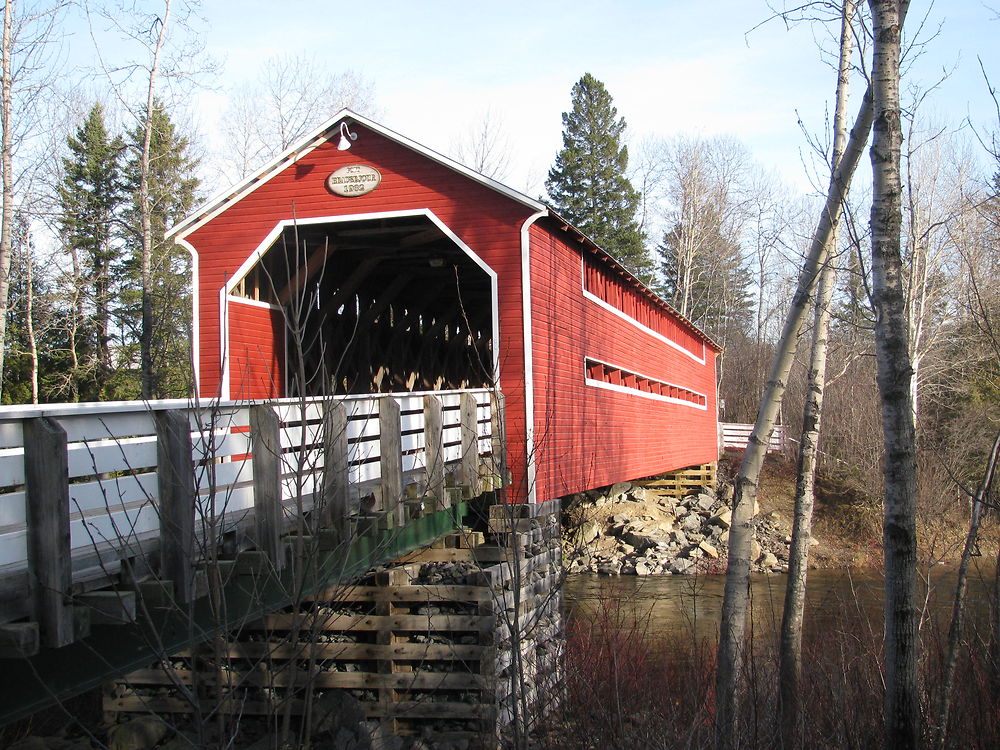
110,651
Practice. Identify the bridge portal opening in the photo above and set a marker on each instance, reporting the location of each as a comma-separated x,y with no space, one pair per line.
377,306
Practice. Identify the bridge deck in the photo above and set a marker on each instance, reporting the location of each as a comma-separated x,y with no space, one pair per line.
117,521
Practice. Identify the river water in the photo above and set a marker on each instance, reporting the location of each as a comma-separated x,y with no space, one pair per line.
682,605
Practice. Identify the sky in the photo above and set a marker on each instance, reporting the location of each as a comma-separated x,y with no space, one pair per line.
674,67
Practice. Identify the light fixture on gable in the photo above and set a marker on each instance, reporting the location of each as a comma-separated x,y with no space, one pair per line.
346,136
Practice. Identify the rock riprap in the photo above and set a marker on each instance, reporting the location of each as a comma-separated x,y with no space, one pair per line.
632,529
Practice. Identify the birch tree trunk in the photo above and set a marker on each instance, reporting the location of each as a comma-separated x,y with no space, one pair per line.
790,657
895,373
737,593
736,600
145,214
29,316
958,605
7,180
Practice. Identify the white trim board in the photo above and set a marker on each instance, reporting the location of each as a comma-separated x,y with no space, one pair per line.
636,392
530,469
252,302
195,316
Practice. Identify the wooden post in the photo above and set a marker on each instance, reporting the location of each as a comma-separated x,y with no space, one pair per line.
46,478
391,458
335,467
470,445
434,452
175,483
499,435
265,442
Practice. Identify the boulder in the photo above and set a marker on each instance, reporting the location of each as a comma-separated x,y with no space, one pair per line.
705,501
768,560
654,527
642,568
142,733
709,550
642,495
639,540
588,531
681,565
722,519
611,568
755,550
725,492
617,529
691,522
619,488
678,536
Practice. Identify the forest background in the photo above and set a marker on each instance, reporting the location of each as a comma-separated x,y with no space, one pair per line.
122,117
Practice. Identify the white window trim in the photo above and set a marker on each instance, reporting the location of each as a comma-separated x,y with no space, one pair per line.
637,392
252,302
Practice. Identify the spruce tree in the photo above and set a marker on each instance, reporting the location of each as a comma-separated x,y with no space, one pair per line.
90,197
587,184
172,193
711,287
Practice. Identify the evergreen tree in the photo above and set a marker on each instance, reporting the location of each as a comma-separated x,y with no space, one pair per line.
712,286
90,197
172,193
587,184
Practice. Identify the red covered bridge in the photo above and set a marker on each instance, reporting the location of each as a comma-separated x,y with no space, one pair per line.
359,261
379,268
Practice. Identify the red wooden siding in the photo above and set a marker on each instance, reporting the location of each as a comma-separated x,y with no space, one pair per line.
488,222
601,281
257,350
589,436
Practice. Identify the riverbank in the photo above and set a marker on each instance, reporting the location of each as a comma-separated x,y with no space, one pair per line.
637,528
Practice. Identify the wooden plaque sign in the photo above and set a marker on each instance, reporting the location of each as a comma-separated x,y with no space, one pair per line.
353,179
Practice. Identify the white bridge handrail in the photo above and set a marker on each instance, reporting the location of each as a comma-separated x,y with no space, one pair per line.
112,459
737,436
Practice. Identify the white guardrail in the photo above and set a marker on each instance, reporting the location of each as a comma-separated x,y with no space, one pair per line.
113,455
738,435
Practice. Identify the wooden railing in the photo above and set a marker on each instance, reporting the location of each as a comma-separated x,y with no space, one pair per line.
738,435
88,489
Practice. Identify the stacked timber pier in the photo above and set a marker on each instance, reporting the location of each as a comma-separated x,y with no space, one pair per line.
459,642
